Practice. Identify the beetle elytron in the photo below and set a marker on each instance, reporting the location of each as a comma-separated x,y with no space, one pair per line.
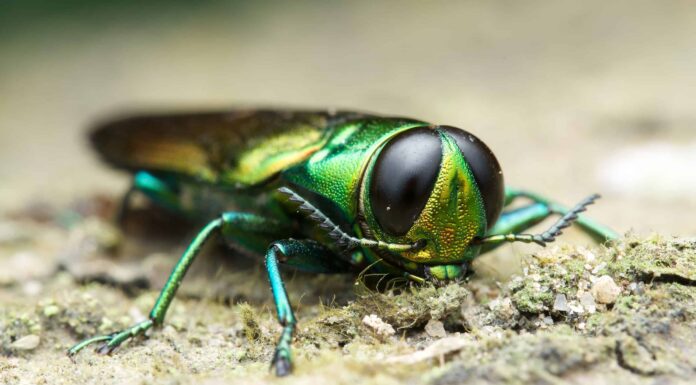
325,192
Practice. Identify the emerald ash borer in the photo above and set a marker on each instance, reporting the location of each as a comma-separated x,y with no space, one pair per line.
325,192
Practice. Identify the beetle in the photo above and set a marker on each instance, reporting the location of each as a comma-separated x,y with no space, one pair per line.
325,192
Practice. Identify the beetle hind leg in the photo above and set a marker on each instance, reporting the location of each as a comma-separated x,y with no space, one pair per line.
161,190
232,226
112,341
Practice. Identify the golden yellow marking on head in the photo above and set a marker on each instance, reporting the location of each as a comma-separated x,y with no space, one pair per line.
451,216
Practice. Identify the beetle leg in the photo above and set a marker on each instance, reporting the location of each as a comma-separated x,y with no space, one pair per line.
306,255
252,232
229,224
529,215
541,208
158,189
112,341
520,219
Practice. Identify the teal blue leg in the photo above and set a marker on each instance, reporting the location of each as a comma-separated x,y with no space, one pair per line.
229,225
541,209
520,219
253,232
306,255
158,189
511,222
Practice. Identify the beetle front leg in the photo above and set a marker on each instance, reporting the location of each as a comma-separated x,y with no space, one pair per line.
304,255
527,216
505,229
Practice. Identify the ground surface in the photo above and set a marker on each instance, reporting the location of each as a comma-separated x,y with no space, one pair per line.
621,313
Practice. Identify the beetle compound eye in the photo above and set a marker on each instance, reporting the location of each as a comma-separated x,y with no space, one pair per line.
486,169
403,177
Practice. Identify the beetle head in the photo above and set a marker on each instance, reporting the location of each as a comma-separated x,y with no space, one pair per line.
435,184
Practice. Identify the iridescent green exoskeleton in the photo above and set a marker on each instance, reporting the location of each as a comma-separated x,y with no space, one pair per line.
325,192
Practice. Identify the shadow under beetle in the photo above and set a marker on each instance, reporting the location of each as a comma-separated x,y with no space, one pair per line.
325,192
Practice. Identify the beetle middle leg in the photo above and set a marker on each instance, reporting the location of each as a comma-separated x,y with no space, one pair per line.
304,255
230,224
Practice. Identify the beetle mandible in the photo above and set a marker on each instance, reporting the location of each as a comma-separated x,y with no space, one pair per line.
326,192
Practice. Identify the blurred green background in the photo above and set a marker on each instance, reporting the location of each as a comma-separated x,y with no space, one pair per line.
573,97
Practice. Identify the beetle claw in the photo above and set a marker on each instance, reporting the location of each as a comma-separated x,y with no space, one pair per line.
281,363
283,367
104,349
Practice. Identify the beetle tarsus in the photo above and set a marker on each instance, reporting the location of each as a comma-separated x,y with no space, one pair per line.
568,219
113,340
104,349
281,363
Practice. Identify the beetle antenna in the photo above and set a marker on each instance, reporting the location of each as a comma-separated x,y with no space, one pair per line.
343,239
568,219
548,235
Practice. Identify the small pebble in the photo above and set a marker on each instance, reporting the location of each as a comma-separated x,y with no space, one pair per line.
560,303
588,302
503,308
29,342
381,328
435,329
605,290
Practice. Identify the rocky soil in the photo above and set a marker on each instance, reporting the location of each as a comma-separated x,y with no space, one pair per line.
619,313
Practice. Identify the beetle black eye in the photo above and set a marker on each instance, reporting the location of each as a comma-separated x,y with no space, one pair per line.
403,177
486,169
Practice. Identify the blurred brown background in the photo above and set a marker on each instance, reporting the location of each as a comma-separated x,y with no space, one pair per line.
573,97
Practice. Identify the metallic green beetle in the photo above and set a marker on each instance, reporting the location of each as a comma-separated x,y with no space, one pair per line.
325,192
